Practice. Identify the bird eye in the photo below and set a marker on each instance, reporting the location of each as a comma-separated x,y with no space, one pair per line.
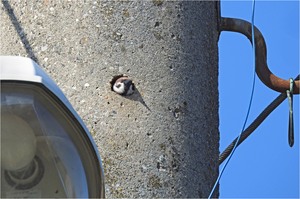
118,85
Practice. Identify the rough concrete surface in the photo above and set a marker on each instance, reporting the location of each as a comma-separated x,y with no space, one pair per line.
161,142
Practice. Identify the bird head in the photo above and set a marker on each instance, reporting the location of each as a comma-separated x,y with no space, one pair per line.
123,86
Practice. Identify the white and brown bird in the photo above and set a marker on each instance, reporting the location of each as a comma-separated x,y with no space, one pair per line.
123,85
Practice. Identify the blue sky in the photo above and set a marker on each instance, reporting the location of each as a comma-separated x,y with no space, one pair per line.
264,165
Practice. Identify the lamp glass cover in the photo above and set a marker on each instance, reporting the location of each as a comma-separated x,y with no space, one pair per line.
44,150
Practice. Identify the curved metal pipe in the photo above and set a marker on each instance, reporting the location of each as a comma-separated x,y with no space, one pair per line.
262,70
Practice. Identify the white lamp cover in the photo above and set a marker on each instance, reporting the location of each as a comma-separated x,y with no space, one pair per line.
46,150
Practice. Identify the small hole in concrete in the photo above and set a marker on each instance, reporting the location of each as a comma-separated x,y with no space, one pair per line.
158,165
114,79
129,85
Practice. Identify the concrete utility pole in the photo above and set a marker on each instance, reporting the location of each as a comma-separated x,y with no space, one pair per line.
163,141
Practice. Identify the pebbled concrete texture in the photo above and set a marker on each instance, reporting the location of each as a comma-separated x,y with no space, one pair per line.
163,141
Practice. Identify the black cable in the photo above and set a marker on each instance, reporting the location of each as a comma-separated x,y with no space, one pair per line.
20,31
266,112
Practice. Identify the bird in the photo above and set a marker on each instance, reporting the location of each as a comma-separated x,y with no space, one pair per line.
123,86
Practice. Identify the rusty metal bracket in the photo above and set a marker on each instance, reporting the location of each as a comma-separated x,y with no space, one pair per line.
262,70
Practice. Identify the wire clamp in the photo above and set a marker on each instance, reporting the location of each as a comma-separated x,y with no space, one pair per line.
289,94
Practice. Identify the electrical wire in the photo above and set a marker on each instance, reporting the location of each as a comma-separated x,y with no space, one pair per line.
259,119
249,107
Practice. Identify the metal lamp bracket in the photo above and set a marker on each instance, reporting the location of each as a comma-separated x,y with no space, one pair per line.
262,70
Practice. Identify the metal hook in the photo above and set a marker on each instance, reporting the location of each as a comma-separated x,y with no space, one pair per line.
262,70
289,94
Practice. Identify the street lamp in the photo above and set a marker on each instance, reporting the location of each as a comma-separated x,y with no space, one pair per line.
46,150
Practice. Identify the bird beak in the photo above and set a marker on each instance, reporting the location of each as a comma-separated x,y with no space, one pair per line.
127,82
